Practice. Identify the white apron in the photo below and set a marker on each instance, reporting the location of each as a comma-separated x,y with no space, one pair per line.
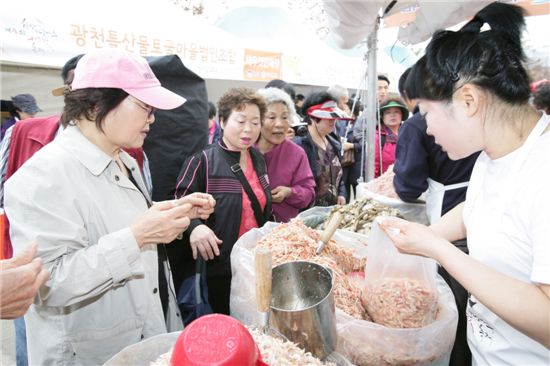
434,197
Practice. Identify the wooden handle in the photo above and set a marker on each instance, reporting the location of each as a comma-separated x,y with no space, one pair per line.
331,227
262,259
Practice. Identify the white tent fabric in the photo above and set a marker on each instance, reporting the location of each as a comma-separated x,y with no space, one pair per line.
438,15
352,21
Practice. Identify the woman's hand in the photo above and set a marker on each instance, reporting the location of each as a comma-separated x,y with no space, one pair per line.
280,193
203,205
341,200
162,222
20,279
412,238
204,240
348,146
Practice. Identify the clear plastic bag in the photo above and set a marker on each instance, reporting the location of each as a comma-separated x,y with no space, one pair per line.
368,343
365,343
400,288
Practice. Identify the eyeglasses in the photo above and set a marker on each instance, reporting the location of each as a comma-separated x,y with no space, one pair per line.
150,110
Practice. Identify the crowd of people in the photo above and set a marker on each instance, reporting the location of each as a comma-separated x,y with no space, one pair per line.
94,274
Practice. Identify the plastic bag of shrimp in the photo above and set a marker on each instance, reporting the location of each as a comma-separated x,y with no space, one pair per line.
413,311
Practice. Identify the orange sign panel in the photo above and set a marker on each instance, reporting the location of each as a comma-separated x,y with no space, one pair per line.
261,66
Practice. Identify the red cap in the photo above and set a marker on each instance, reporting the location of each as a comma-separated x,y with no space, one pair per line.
216,340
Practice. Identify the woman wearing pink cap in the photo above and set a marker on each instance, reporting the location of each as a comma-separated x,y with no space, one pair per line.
82,199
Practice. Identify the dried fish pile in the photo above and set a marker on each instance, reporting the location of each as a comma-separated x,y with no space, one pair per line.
383,185
359,215
277,352
400,303
295,241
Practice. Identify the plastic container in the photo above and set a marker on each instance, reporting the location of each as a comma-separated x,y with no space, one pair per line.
216,340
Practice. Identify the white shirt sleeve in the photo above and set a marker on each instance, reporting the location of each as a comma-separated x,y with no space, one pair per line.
4,156
540,233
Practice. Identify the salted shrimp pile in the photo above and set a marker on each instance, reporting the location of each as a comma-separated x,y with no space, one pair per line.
383,185
400,303
295,241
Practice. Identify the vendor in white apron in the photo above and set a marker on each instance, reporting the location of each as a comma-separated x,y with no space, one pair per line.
421,166
472,103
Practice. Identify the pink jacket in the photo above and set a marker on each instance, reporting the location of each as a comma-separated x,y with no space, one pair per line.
388,151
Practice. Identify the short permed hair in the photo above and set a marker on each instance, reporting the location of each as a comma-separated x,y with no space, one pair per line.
338,91
235,99
275,95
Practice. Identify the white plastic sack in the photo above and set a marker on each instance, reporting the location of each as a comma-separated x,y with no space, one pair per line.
242,301
144,352
411,211
360,341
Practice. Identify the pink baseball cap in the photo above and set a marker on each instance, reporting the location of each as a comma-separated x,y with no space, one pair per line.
112,68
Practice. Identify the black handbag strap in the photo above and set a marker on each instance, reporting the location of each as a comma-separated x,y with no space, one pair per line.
238,172
200,278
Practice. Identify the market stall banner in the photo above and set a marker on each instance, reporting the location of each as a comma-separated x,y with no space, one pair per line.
34,33
39,33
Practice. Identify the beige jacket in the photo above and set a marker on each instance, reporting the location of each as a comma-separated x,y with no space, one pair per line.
73,200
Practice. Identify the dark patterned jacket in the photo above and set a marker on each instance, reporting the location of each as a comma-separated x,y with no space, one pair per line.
208,171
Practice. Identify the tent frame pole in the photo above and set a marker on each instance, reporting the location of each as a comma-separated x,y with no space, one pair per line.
372,102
